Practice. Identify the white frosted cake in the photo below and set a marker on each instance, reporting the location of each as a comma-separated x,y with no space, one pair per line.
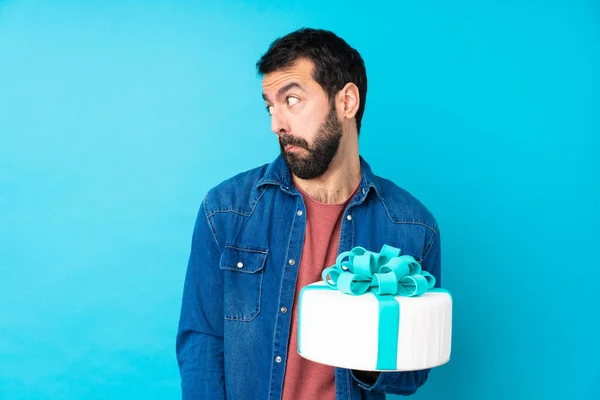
370,331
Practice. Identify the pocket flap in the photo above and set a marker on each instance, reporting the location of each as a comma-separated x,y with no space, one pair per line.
243,260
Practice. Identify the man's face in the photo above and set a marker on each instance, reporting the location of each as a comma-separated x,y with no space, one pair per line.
303,118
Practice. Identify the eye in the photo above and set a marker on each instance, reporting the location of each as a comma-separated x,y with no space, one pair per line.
292,101
269,110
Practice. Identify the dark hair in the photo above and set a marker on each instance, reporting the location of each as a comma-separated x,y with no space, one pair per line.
336,63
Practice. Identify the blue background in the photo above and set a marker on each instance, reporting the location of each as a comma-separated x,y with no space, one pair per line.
116,117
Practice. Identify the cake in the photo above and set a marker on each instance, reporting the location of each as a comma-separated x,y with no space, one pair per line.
375,312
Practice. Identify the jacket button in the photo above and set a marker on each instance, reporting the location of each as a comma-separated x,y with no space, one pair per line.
278,359
240,264
299,213
349,217
284,309
292,261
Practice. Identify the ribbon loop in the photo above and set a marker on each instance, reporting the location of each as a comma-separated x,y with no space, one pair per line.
385,283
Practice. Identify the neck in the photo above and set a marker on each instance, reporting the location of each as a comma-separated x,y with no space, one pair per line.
338,183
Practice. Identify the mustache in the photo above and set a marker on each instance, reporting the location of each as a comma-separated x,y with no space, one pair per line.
285,140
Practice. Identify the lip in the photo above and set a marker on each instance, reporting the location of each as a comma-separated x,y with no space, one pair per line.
290,147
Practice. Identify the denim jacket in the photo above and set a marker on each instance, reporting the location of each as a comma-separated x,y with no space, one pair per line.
234,326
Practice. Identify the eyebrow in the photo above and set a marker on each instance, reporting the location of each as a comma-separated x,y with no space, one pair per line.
283,90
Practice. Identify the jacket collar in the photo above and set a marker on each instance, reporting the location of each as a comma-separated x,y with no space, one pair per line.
278,173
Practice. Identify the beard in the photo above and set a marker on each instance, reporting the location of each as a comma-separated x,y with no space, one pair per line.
320,154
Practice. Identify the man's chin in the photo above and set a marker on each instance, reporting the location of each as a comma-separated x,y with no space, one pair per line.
294,156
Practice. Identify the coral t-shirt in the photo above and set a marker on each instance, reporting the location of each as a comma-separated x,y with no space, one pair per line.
304,379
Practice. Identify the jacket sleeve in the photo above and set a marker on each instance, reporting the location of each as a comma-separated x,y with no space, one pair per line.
199,342
407,382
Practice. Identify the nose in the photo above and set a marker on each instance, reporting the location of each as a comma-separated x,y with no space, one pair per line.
279,124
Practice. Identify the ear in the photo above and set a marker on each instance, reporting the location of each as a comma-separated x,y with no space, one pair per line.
349,101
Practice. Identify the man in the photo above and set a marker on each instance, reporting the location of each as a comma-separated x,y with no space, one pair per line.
265,233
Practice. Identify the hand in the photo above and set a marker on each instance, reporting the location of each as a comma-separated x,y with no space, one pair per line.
369,377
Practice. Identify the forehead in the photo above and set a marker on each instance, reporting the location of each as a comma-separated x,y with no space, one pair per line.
301,72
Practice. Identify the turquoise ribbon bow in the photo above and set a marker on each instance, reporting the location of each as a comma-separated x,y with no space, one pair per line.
386,274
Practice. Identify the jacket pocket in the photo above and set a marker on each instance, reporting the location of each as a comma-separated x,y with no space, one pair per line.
243,270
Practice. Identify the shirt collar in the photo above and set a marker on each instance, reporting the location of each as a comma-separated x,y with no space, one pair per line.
278,173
